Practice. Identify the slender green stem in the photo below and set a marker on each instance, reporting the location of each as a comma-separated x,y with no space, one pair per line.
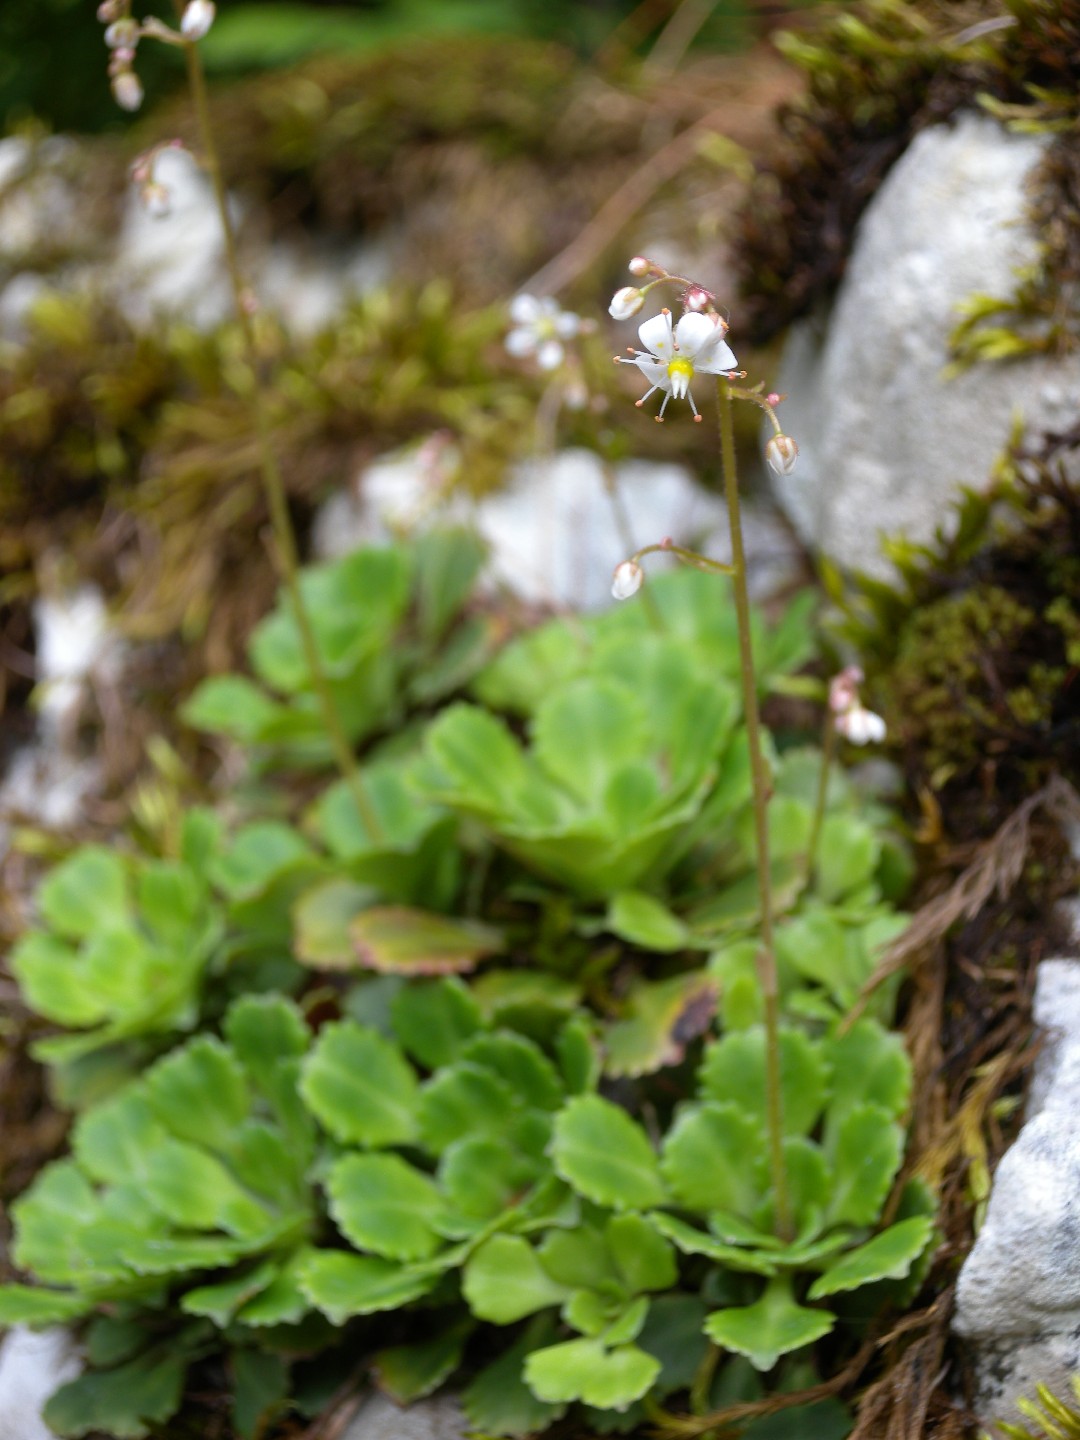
828,754
273,483
762,787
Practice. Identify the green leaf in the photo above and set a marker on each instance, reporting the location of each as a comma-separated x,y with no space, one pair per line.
643,920
259,853
112,1140
605,1155
585,1370
524,1067
499,1402
847,855
530,667
398,941
463,1099
230,705
734,1070
585,731
360,1086
692,1241
870,1065
866,1154
712,1155
282,1302
773,1326
433,1020
322,917
260,1388
672,1333
342,1285
220,1302
661,1018
200,1093
85,894
409,1372
51,977
192,1189
888,1256
504,1281
482,1177
448,562
383,1204
124,1402
30,1305
646,1261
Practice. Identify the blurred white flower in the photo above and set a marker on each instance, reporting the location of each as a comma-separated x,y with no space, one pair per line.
127,90
860,726
540,328
853,721
674,355
197,18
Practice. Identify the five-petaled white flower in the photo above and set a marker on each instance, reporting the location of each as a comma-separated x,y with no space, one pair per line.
673,355
540,328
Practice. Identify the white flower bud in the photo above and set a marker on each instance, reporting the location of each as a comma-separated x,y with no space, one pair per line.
638,265
627,580
626,302
697,298
844,689
197,18
781,453
861,726
127,90
121,34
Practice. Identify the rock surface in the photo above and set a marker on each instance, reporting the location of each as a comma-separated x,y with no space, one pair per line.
1018,1295
32,1365
885,442
554,532
439,1418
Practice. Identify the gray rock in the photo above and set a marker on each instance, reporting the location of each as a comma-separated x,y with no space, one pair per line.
1018,1294
553,531
885,442
439,1418
32,1365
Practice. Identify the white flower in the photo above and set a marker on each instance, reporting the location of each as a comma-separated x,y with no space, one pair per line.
860,726
673,356
844,689
781,453
627,580
197,18
540,328
626,302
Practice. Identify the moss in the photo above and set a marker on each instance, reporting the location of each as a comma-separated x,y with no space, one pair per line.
876,75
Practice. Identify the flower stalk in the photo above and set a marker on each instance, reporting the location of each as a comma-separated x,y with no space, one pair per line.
270,470
761,786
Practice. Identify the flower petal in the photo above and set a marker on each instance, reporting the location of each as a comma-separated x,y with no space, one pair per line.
520,342
716,360
655,335
695,333
655,371
567,324
524,309
550,355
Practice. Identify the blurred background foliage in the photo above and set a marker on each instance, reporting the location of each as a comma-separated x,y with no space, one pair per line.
52,59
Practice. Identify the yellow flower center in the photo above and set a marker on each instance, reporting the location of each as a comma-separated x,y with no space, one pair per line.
679,366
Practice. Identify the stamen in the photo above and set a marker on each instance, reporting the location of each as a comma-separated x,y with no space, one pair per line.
651,391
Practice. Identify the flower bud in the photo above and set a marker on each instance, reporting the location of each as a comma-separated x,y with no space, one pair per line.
626,302
127,90
122,34
627,580
197,18
781,453
697,298
639,265
108,11
844,689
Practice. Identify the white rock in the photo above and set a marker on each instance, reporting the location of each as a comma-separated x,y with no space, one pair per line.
75,646
553,531
1018,1294
32,1365
884,440
439,1418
